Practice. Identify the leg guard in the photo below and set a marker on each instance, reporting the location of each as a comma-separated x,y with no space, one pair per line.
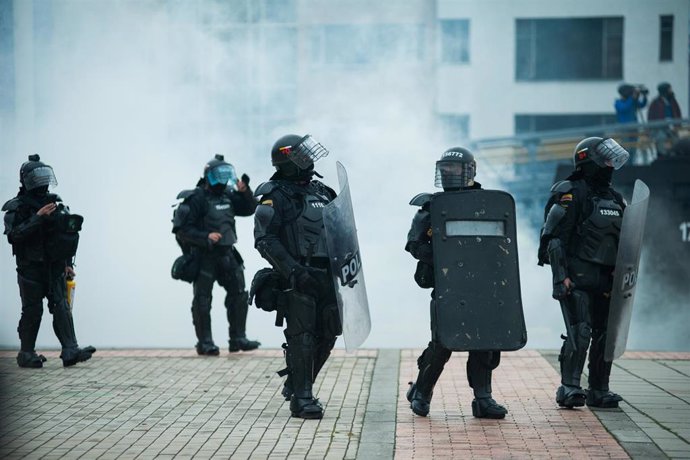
201,316
480,366
300,333
572,361
430,364
31,293
236,308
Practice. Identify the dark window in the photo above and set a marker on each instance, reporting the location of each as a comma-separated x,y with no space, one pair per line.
569,49
366,44
535,123
455,41
455,129
666,38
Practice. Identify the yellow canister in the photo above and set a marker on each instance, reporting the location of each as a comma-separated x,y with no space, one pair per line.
71,286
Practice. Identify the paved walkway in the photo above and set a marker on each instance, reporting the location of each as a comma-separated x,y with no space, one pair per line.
173,404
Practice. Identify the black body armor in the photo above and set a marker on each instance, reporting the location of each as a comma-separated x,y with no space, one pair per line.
220,218
596,240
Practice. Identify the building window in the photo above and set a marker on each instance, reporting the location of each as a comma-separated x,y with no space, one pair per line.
665,38
455,41
352,45
552,122
455,129
569,49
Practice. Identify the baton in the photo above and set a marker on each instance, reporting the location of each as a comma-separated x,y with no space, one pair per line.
568,326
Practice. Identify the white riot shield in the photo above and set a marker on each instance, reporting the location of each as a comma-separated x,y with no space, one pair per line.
346,265
625,276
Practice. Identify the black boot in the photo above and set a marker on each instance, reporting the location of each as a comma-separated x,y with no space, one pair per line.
570,396
243,343
419,403
603,398
430,364
78,355
30,359
301,356
236,309
480,366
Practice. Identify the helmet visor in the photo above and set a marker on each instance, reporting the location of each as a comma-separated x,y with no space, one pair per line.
221,174
306,152
39,177
610,153
454,174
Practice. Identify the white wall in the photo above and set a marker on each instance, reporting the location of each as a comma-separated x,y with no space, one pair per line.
486,87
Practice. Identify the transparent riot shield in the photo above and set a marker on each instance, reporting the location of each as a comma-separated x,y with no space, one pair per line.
346,265
625,275
478,304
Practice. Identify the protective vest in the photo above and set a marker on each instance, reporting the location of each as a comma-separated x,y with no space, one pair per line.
598,234
307,228
220,217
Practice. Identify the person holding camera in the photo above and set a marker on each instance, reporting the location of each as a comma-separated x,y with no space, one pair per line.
44,238
632,99
628,111
204,226
664,107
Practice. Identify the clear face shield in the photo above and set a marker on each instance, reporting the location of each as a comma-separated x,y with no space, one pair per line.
307,152
222,174
39,177
454,174
608,153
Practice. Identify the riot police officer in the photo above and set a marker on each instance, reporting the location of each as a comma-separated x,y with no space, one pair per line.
289,234
580,240
455,171
44,237
204,226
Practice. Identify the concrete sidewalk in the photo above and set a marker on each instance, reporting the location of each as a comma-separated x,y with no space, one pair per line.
171,403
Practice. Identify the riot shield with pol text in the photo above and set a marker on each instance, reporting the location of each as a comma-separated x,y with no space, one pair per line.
346,265
626,270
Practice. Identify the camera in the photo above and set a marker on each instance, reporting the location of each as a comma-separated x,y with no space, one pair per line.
642,89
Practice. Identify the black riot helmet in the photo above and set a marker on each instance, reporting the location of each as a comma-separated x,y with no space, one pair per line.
456,169
35,174
604,153
294,156
218,173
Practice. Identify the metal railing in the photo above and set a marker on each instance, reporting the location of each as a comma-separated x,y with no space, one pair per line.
646,141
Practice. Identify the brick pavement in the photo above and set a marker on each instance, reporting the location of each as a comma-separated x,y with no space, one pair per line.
173,404
170,403
534,427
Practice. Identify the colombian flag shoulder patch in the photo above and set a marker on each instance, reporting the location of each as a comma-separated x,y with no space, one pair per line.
567,197
267,202
429,232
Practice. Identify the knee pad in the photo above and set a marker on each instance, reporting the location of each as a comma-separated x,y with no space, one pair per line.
241,300
300,315
331,325
201,304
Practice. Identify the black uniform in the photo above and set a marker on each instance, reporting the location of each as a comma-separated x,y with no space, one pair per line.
202,212
43,246
432,361
289,234
583,224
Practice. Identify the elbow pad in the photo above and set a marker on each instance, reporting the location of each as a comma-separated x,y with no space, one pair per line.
557,259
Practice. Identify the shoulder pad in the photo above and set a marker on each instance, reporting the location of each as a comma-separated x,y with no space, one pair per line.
265,188
562,186
325,188
184,194
421,199
12,204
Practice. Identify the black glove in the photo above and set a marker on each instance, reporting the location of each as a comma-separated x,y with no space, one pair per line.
305,281
245,179
560,292
425,253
